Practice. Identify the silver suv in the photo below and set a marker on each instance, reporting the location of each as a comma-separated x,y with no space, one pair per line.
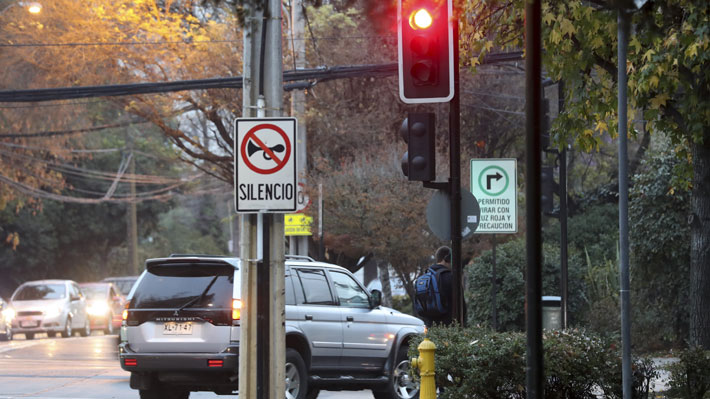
181,331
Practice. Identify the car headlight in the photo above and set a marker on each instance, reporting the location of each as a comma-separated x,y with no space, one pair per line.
53,311
8,314
97,308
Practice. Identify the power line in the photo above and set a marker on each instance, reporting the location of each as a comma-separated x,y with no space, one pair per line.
161,43
71,131
315,74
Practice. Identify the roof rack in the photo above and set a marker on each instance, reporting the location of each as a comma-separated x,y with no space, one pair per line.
300,257
195,255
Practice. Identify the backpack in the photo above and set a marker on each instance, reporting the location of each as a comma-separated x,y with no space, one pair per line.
428,301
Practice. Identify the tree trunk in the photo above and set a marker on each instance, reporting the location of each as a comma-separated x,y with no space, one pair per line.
384,275
699,295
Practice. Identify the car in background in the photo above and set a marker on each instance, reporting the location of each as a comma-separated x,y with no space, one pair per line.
7,313
123,283
51,306
104,305
182,330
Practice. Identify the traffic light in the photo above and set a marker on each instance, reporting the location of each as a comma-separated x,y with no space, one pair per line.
419,162
546,189
426,51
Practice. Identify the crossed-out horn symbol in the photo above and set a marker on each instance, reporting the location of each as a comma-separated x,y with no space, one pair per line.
252,148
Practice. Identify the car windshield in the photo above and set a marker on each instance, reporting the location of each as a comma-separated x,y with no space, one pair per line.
40,291
174,286
94,291
123,284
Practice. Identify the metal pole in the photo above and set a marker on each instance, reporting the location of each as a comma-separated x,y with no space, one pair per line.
533,117
321,244
494,289
563,214
623,37
455,184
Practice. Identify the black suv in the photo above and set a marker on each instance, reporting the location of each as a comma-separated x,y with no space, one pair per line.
181,331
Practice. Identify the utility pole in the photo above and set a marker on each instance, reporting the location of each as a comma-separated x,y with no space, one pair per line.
262,246
298,245
132,213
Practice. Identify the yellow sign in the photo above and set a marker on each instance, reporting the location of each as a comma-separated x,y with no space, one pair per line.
297,224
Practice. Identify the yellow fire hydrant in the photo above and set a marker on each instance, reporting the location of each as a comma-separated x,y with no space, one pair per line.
425,364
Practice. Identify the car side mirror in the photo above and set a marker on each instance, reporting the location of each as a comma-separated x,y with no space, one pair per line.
74,298
375,298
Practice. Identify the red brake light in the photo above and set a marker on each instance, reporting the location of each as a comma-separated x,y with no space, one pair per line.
130,362
215,363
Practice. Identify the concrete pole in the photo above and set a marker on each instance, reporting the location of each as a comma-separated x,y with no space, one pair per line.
248,236
299,244
132,215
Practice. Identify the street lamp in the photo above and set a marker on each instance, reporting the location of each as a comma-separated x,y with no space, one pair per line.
34,8
31,7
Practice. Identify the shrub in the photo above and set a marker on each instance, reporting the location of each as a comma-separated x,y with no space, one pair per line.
510,276
690,377
478,363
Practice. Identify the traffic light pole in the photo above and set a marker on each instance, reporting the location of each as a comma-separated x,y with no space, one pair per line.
455,188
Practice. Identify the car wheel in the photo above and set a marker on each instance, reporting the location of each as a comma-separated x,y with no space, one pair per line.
51,334
68,332
402,385
29,335
163,393
87,329
296,375
312,393
6,337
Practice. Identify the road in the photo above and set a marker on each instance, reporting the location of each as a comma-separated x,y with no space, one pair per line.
80,368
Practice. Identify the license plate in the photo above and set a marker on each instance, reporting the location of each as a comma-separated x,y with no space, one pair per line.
172,328
29,324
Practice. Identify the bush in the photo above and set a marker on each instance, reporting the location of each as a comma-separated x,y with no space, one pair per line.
690,377
510,273
479,363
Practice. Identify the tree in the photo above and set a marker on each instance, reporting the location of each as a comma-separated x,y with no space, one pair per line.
668,79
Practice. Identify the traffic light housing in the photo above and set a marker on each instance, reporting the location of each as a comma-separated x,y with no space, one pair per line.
419,162
546,189
426,51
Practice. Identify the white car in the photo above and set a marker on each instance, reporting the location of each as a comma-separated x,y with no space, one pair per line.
6,316
51,306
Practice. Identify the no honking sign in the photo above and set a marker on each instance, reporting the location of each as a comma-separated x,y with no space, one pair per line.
265,165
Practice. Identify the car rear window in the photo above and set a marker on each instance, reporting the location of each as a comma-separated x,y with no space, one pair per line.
178,285
94,291
43,291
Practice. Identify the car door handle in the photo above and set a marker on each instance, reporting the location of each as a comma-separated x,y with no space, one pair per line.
349,318
309,317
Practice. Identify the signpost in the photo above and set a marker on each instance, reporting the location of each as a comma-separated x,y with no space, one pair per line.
494,184
265,165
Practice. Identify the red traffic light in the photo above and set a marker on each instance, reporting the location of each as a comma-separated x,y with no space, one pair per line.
425,43
420,19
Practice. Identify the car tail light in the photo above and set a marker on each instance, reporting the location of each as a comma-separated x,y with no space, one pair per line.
125,314
236,309
130,362
215,363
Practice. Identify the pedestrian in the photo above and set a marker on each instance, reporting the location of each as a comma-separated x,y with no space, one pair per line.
433,290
